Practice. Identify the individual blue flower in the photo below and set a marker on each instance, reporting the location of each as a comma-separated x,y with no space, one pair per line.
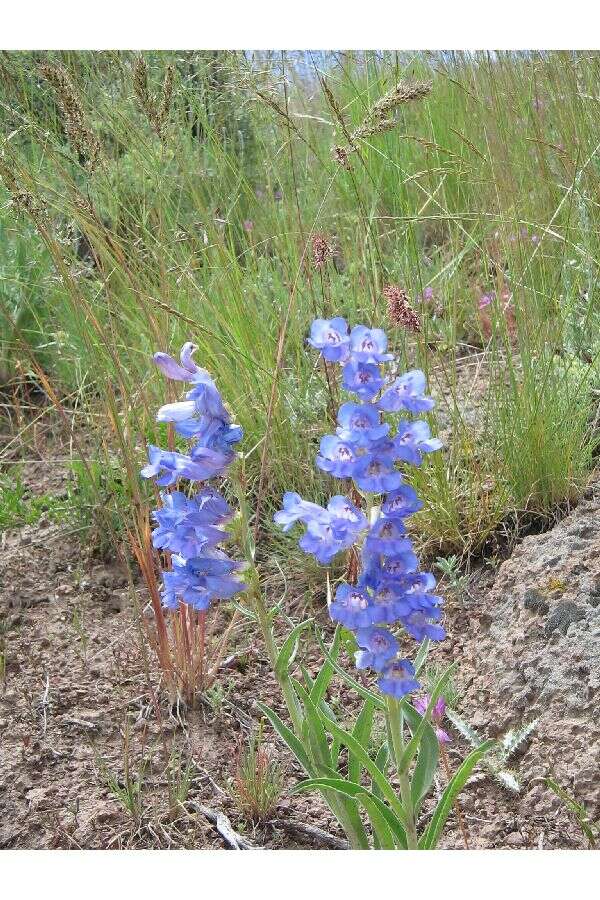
375,473
388,536
324,539
295,509
401,503
207,398
184,372
368,345
188,526
352,607
360,423
337,457
385,597
363,379
176,412
418,625
175,465
181,585
346,516
330,336
378,569
412,440
200,580
213,434
379,646
407,392
398,679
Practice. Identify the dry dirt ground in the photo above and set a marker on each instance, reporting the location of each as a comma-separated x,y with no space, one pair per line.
76,706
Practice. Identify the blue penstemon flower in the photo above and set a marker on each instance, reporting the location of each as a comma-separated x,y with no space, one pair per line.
390,588
190,527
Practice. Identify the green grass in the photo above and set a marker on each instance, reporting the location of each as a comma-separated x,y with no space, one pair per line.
490,184
18,507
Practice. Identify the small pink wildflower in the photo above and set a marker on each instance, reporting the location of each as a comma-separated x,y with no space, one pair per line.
437,715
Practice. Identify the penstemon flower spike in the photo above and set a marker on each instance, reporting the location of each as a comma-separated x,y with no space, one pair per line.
189,528
388,590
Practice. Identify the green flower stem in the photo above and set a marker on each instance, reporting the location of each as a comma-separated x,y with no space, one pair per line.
395,729
285,684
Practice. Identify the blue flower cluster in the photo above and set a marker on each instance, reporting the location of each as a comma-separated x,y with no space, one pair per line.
390,588
190,528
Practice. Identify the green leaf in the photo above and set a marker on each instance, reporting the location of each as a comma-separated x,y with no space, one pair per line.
361,732
381,830
442,810
346,812
288,651
321,682
308,681
422,654
350,789
367,763
289,738
313,727
427,759
381,761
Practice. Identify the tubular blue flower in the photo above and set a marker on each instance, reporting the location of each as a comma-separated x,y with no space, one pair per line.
353,607
387,536
401,503
184,372
176,412
337,457
214,434
360,424
330,336
379,647
182,585
363,379
188,526
412,440
398,679
325,538
407,392
385,598
295,509
346,517
175,465
368,345
375,472
207,398
418,625
200,580
328,530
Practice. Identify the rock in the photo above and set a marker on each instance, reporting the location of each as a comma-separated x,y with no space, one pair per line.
514,839
519,667
564,614
536,601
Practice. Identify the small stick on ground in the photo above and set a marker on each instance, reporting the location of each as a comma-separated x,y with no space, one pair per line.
317,834
233,840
